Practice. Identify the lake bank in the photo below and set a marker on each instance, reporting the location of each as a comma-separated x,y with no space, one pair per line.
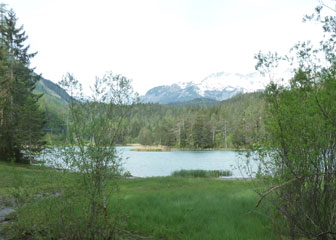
162,148
159,207
152,148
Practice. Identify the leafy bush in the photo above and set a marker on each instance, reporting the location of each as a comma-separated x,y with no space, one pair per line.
298,155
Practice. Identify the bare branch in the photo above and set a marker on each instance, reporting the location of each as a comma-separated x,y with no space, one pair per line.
273,189
325,233
325,5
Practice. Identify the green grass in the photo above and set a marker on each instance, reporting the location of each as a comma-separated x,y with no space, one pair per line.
27,179
187,208
161,208
201,173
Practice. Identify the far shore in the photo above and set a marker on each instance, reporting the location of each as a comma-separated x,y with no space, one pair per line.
161,148
147,148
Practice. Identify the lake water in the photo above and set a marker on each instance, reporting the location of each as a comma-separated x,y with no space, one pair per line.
153,164
149,164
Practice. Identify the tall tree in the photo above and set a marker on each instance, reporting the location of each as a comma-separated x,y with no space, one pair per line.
94,128
201,133
21,120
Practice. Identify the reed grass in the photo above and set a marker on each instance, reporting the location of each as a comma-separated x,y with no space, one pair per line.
201,173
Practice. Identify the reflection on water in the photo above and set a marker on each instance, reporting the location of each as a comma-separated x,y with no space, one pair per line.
150,164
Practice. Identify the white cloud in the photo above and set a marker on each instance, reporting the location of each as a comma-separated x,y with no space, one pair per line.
157,42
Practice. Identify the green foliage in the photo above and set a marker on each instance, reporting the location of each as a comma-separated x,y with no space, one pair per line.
299,152
52,90
21,120
201,133
54,103
203,102
233,123
94,128
145,136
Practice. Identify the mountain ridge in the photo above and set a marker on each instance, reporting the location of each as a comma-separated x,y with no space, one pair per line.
216,86
53,90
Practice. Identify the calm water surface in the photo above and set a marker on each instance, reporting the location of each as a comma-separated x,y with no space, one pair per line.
149,164
153,164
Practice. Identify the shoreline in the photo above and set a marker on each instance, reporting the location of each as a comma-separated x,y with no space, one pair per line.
161,148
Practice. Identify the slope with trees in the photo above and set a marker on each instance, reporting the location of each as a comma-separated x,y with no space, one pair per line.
233,123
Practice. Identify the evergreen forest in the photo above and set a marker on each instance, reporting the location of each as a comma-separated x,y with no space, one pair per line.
235,123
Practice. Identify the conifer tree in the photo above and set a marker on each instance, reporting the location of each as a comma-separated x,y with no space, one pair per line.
21,120
201,133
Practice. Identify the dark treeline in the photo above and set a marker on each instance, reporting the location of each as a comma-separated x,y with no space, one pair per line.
233,123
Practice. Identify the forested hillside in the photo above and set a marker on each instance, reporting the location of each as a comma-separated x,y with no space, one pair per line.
236,122
52,90
54,103
201,123
206,102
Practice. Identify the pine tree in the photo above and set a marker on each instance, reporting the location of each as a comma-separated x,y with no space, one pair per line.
21,120
201,133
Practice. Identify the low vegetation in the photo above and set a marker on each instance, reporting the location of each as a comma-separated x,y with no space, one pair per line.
154,208
201,173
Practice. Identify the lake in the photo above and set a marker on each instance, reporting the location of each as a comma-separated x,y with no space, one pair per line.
150,164
153,164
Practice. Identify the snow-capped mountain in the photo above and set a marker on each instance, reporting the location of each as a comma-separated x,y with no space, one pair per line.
218,86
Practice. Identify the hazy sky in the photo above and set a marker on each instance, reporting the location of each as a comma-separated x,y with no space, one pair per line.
157,42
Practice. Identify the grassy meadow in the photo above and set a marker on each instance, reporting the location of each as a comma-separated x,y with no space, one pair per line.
51,205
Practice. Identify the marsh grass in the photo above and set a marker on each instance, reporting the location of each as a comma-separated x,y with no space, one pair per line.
201,173
193,208
161,208
156,148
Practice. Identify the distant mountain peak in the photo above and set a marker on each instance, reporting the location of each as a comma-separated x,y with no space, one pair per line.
217,86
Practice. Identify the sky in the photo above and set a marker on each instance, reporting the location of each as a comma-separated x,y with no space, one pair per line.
158,42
